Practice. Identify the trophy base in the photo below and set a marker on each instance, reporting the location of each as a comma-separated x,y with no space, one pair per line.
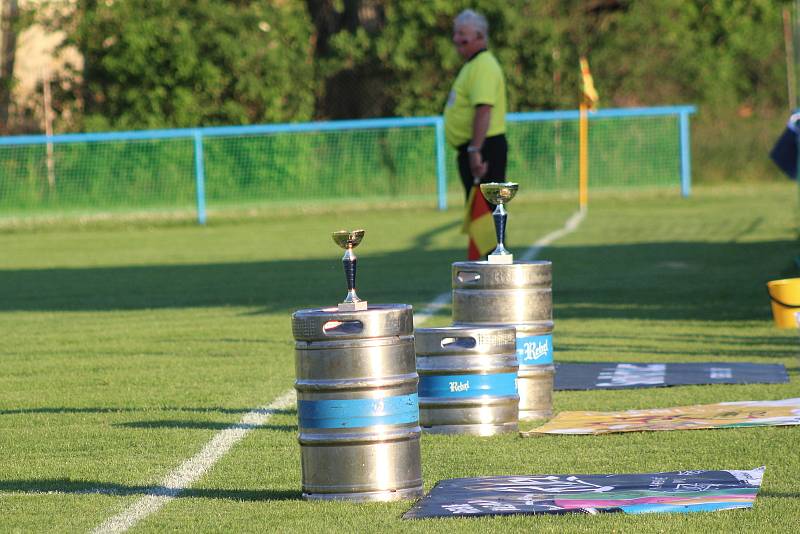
361,305
500,259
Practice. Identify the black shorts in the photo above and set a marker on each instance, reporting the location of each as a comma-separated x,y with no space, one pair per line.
494,152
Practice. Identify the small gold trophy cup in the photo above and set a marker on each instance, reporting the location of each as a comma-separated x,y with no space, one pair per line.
349,240
500,194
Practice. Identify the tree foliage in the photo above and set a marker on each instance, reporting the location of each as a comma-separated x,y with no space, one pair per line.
161,63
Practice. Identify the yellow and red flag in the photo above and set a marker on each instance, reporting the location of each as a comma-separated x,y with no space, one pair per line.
589,93
479,226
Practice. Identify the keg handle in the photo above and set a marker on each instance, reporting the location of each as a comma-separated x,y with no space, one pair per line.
453,343
342,328
468,276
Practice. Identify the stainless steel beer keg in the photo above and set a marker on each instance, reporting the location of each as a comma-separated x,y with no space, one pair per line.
518,294
467,380
357,403
536,371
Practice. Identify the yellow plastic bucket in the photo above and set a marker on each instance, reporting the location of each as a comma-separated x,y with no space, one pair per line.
784,296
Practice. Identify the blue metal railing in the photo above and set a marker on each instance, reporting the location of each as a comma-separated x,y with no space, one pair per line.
198,134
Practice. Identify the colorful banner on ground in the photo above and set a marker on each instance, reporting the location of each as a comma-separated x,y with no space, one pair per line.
674,491
723,415
579,376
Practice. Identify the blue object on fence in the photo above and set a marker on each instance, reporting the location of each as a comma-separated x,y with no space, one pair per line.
784,153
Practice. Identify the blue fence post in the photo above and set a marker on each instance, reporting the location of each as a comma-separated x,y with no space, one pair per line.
686,155
200,177
441,165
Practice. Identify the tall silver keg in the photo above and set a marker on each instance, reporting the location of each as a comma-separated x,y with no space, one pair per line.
467,379
518,294
357,403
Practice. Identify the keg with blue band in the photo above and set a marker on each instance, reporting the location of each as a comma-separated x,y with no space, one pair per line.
518,294
535,350
467,385
357,403
467,379
357,413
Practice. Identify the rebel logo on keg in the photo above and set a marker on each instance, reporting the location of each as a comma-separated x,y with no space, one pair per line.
467,386
535,350
459,386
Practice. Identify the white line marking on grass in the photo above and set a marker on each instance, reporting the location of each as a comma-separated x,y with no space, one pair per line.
192,469
442,300
570,226
434,306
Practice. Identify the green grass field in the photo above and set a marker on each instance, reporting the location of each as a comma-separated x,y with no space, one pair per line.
127,348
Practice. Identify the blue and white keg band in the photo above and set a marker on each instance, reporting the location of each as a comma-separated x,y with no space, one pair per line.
356,413
465,386
535,350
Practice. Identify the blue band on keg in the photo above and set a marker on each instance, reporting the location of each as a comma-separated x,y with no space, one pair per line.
535,350
355,413
464,386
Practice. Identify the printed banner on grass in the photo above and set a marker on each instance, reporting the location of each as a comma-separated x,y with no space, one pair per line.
723,415
580,376
674,491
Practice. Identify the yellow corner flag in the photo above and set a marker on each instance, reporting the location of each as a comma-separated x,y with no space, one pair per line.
479,225
588,103
589,93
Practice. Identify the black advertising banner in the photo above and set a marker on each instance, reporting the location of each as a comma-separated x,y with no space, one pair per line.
675,491
613,375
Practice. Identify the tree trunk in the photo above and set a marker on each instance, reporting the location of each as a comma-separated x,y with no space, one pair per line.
354,92
8,52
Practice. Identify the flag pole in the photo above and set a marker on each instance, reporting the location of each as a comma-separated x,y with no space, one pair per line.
583,157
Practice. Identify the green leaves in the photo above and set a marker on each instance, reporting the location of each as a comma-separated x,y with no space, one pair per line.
163,63
183,63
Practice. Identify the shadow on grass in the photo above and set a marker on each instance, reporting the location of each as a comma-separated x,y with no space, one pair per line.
779,494
86,487
205,425
279,286
100,410
646,281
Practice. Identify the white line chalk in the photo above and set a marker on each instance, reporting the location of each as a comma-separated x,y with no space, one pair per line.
192,469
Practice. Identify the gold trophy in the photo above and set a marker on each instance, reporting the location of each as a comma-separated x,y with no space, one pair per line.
349,240
500,194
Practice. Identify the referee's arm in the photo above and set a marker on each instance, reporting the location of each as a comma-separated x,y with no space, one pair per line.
480,125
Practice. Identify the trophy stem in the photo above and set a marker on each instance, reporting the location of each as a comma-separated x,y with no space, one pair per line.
350,262
500,216
500,194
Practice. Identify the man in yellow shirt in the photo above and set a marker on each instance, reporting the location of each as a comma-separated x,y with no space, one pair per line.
475,114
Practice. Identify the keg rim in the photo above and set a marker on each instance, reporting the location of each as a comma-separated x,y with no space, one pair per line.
380,320
433,330
516,262
333,310
545,327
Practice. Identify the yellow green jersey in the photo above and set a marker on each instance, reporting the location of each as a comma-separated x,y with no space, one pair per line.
480,81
